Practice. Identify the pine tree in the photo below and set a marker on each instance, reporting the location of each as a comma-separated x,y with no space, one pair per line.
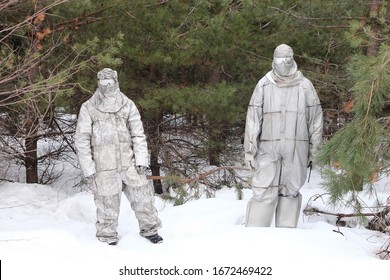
217,50
357,155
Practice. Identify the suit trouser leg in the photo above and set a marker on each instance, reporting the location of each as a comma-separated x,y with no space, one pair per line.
107,210
288,211
142,203
261,207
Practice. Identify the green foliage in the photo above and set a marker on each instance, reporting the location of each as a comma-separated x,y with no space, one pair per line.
184,193
179,197
372,78
39,63
217,110
216,105
359,153
200,60
355,41
350,158
105,52
238,188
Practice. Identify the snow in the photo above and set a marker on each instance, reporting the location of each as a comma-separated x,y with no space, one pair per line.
48,233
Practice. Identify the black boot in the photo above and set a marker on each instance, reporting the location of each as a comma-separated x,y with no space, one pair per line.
155,238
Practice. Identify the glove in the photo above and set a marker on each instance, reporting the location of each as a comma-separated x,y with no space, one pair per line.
141,169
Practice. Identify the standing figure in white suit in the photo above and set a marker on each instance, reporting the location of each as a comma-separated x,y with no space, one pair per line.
113,155
283,130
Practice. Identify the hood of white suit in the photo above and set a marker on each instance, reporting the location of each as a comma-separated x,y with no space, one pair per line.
108,97
284,68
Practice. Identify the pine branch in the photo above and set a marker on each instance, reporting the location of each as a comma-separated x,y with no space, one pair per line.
80,21
309,19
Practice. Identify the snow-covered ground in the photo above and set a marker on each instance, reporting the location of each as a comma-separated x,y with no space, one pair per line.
47,233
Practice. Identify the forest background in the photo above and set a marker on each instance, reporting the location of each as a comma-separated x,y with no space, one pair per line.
191,67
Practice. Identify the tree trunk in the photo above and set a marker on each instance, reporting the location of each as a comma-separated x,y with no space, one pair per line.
155,167
215,138
216,144
31,126
372,48
154,133
30,160
214,149
154,153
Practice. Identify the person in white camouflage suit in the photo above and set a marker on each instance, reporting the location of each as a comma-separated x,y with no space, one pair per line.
113,155
282,132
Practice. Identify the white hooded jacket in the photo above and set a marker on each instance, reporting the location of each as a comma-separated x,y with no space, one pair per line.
110,134
283,130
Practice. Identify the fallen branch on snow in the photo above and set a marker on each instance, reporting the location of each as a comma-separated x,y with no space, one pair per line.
379,222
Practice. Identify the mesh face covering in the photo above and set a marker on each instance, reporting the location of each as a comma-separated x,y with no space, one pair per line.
108,81
108,97
107,73
105,82
283,62
286,60
283,69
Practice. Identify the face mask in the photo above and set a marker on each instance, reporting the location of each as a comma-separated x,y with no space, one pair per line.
283,65
107,82
107,86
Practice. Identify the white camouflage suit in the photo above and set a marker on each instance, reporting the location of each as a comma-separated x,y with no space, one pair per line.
111,143
283,130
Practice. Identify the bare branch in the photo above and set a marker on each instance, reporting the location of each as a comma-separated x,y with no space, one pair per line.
7,3
11,29
201,176
310,19
80,21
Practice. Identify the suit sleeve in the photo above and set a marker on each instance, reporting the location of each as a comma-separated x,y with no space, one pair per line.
83,142
253,123
315,124
140,146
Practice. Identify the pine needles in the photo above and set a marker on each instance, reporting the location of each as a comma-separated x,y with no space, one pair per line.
358,154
